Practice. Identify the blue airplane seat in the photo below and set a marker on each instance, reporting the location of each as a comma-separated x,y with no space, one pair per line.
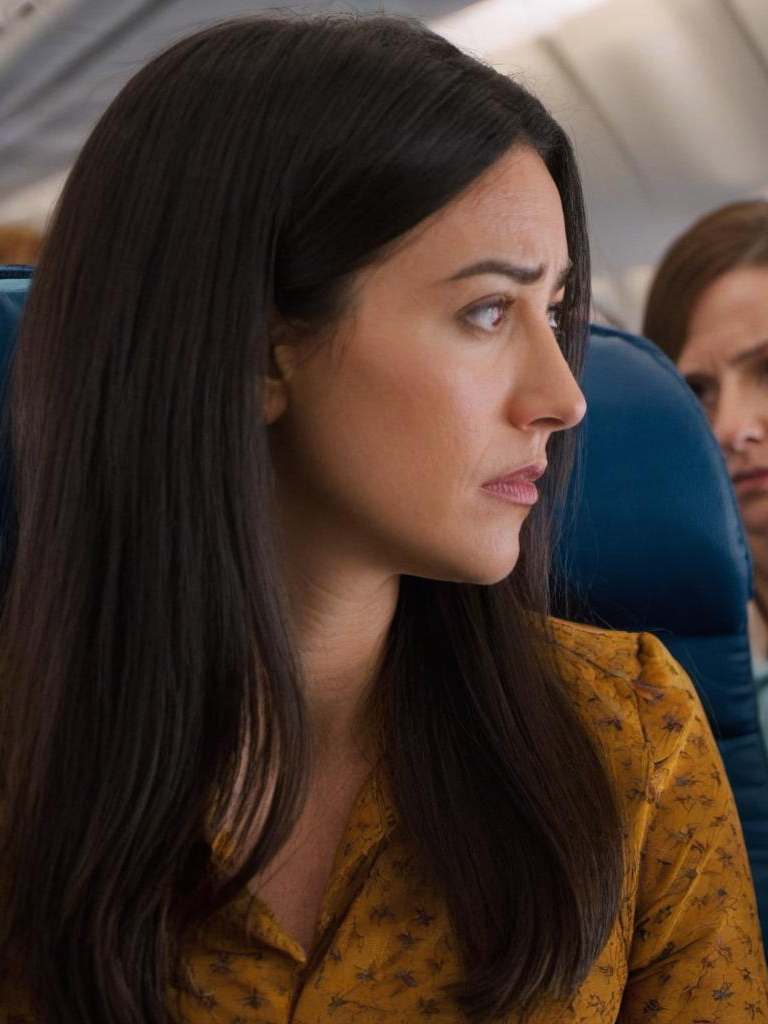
652,540
14,285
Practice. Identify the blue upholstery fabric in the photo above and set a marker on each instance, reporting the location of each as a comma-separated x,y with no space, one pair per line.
652,540
14,284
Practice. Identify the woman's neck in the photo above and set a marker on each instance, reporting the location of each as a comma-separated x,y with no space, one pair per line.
341,631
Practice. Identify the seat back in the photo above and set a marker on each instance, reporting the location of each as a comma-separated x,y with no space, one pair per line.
653,540
14,285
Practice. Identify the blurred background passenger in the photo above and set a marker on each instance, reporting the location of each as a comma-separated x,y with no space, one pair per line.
708,309
19,243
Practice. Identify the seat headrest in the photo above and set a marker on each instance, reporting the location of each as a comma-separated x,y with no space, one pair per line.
651,530
14,285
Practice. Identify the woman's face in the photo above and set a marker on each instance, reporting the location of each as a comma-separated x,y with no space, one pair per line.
725,361
444,374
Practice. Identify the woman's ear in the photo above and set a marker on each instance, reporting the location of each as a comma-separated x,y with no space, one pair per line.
281,364
275,394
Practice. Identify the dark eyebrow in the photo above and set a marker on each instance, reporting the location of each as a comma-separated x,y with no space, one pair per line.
523,275
738,360
744,357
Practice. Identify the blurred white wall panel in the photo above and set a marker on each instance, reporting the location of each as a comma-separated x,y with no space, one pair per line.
22,20
753,15
482,26
33,205
681,88
612,180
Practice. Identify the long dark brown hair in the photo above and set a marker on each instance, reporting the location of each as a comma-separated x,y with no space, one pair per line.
732,236
254,168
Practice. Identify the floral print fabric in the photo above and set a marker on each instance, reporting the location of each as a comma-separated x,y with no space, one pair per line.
686,947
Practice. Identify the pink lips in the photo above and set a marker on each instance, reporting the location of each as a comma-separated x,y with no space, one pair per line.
751,480
518,486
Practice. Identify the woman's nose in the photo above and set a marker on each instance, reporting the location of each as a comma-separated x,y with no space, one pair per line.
548,394
738,423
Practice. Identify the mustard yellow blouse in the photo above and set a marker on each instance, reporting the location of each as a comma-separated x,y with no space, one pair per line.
686,948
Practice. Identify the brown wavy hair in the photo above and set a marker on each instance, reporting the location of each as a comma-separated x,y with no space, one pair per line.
732,236
256,167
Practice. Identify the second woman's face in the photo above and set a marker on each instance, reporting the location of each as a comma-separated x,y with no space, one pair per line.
725,361
445,374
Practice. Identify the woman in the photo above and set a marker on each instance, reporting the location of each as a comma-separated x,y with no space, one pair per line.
289,735
708,309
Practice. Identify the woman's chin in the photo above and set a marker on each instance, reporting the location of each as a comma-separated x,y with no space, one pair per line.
754,513
491,568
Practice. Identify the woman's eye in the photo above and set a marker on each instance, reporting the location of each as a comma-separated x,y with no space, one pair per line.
702,389
490,315
554,315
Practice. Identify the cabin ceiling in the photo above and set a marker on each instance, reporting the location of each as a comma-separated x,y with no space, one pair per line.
666,100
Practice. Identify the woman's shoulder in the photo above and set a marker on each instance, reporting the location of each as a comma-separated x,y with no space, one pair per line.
628,686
